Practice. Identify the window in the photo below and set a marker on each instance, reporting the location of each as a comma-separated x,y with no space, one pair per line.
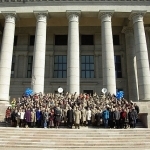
29,69
87,40
116,40
118,66
15,40
87,66
13,67
60,66
32,39
90,92
61,39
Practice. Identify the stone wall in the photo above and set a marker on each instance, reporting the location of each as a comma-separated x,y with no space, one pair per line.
144,113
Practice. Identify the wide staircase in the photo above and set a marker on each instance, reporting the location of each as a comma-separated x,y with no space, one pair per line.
74,139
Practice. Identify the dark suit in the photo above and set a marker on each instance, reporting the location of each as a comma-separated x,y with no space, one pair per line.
70,117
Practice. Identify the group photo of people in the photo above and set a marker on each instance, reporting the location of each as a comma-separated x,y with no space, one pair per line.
65,110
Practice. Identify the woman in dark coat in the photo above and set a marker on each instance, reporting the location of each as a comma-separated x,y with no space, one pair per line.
57,117
28,117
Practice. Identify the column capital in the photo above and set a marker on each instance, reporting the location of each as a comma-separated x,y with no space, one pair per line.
127,30
105,15
137,16
10,16
41,15
73,15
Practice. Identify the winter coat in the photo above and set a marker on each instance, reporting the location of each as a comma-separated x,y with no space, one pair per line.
70,116
83,115
57,115
38,115
105,114
33,117
93,112
27,116
116,115
77,117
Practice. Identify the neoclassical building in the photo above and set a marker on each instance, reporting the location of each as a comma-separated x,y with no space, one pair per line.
82,46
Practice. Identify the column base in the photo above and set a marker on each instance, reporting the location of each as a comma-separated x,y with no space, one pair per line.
144,100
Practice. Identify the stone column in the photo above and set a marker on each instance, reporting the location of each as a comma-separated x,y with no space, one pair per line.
39,52
141,56
131,64
6,54
16,66
109,78
73,63
147,31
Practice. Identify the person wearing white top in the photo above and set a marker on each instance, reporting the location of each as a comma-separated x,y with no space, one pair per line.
88,116
22,113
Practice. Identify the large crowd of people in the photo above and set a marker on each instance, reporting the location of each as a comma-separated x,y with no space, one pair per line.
72,110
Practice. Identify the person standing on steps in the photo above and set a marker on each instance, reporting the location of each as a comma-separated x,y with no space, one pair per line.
7,116
117,118
70,117
105,116
137,110
98,118
77,117
51,118
38,117
28,117
57,116
83,117
133,117
33,118
88,116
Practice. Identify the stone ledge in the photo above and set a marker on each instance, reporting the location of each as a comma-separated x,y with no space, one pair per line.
74,1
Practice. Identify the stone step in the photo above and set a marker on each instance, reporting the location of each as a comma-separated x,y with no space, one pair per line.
71,139
111,148
144,147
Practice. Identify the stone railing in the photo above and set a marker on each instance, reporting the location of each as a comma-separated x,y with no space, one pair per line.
119,1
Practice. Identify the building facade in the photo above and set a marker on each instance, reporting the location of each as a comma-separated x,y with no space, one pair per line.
82,46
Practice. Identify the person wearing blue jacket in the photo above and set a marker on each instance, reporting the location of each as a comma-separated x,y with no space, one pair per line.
105,116
38,117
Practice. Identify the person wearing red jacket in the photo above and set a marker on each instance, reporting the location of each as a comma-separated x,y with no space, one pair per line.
123,118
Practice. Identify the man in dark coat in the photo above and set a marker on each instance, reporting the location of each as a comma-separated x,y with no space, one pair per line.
111,121
133,117
98,118
70,117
